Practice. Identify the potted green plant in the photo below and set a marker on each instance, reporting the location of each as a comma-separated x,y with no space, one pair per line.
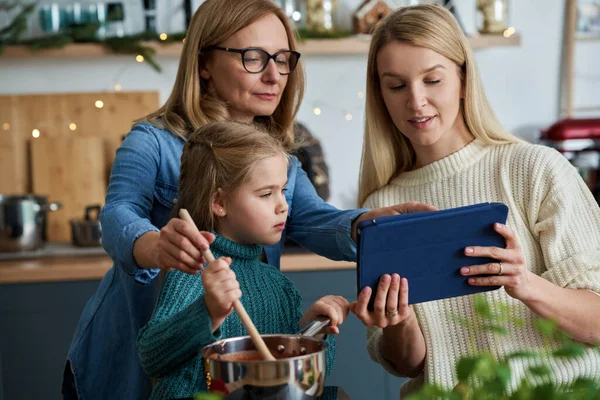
482,376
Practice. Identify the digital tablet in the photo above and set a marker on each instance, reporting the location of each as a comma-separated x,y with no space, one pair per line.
427,248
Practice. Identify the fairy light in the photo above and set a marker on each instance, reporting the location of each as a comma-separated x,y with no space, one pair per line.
348,117
35,133
6,126
163,36
509,32
72,126
317,111
139,58
99,104
117,87
361,95
183,41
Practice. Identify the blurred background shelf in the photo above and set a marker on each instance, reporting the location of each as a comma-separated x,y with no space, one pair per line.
351,45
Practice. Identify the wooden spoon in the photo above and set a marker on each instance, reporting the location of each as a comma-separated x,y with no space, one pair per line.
237,305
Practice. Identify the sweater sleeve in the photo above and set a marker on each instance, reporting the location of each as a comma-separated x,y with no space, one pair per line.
568,226
179,326
374,335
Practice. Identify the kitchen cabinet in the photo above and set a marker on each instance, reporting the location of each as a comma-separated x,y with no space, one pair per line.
38,317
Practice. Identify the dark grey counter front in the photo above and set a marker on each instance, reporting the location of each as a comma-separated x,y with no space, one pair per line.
37,321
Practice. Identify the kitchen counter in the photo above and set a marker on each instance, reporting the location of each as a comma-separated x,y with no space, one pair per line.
62,267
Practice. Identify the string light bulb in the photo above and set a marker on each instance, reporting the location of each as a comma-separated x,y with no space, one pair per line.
99,104
509,32
163,36
361,95
348,117
35,133
139,58
317,111
6,126
72,126
117,87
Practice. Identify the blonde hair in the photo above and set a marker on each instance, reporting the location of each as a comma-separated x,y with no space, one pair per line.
191,105
220,155
386,152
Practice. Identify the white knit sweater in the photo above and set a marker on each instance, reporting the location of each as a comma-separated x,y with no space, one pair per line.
557,223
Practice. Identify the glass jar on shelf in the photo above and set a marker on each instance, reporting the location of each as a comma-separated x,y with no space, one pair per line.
319,15
493,16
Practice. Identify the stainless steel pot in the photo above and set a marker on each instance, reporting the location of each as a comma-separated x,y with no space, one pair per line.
87,232
233,366
23,222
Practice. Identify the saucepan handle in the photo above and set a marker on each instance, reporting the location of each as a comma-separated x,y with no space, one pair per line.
314,327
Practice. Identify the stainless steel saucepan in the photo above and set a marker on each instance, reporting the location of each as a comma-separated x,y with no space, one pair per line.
233,366
23,222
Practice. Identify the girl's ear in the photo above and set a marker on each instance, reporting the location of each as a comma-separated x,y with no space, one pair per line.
217,205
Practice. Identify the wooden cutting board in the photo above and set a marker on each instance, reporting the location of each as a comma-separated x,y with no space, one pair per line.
52,115
14,166
71,171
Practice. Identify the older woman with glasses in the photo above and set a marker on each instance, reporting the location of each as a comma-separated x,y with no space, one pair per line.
239,62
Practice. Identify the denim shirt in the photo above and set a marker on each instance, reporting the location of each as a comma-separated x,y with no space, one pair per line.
143,186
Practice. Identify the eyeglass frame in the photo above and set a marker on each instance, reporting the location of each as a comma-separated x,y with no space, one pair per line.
242,52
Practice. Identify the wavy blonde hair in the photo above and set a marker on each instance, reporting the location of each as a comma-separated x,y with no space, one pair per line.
220,155
386,151
191,105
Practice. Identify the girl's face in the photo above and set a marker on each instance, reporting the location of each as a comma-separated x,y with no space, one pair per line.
422,93
255,213
248,95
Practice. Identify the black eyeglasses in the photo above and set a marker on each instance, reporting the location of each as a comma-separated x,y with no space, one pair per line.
256,60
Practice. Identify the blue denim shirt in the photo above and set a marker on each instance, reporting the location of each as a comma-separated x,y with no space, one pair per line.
143,185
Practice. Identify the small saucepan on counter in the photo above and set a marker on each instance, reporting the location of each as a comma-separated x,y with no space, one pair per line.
23,221
234,367
87,232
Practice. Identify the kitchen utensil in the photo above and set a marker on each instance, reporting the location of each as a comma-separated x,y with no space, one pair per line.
237,305
232,366
87,232
23,222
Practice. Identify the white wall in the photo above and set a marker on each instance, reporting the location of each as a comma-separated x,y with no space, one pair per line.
522,83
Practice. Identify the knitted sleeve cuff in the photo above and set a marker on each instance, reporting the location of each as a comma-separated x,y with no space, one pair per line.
374,337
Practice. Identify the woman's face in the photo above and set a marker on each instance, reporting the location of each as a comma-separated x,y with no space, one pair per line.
248,95
422,92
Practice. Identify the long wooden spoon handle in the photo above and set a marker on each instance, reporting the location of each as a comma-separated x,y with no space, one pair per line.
237,305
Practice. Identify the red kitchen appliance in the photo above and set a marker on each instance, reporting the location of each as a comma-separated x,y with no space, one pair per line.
579,141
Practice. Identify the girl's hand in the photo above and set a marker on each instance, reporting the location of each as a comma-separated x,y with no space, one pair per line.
221,290
336,308
390,305
180,245
510,271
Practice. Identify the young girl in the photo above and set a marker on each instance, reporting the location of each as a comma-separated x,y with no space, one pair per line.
431,136
233,182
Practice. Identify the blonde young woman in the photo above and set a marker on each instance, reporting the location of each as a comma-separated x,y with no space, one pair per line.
239,62
431,136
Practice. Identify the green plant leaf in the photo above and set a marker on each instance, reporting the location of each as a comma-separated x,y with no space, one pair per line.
546,391
540,370
570,350
546,327
482,307
465,367
525,354
495,329
503,373
432,391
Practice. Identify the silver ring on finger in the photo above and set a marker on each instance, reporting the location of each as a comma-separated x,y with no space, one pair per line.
392,313
500,265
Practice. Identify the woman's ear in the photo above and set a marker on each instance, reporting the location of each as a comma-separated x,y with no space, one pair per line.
217,205
204,74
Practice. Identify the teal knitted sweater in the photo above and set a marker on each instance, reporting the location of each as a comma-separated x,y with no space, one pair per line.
169,344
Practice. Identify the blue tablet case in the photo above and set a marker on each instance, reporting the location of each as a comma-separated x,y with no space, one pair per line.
427,248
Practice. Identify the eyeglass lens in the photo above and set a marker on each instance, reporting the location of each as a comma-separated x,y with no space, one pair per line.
257,60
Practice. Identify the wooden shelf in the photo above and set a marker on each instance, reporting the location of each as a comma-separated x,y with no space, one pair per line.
358,45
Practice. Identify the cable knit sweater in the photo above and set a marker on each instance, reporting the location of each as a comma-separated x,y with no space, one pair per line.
168,345
557,223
